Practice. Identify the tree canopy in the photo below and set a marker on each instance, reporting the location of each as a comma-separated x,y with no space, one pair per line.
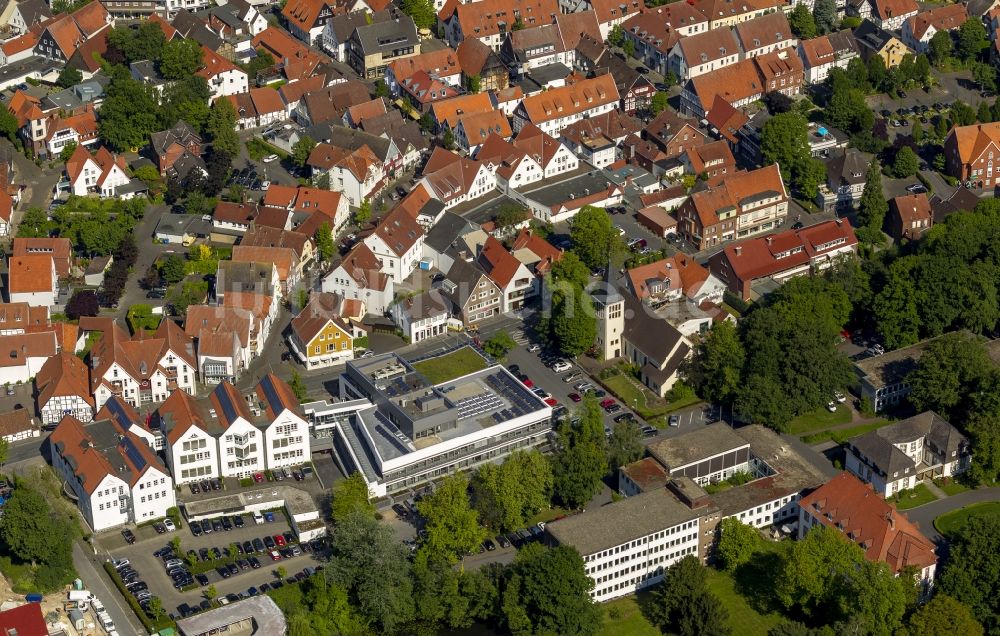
350,496
580,461
452,525
506,495
683,604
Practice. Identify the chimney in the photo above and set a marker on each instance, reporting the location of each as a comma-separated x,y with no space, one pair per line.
738,249
840,222
770,240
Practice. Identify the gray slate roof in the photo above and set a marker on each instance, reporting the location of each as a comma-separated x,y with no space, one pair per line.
386,36
695,446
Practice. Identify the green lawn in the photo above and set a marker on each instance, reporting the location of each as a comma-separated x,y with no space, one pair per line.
950,485
819,420
914,497
843,434
623,617
549,514
451,365
743,619
642,401
952,521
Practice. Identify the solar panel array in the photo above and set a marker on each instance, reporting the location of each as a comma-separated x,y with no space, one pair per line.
512,391
397,387
228,408
118,413
133,453
271,393
478,404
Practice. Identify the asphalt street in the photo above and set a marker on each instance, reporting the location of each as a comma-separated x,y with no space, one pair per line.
88,567
925,515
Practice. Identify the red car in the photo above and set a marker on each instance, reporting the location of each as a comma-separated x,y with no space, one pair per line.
575,397
552,401
279,540
275,556
528,383
606,403
258,477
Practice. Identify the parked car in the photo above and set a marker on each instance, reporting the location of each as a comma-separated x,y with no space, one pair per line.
562,366
606,403
575,397
169,525
129,537
270,158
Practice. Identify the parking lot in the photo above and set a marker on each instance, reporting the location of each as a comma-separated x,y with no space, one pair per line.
149,567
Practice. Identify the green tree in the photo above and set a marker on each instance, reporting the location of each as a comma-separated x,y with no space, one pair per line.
895,307
878,601
547,592
972,39
951,371
510,216
918,133
350,496
815,576
570,270
27,528
624,445
156,607
802,22
301,150
67,151
573,321
942,616
849,112
452,525
736,543
984,113
372,566
298,386
785,141
499,345
905,164
873,206
221,127
4,450
324,242
211,592
422,12
594,238
129,112
473,83
940,47
961,114
658,104
364,213
628,47
580,461
506,495
985,74
684,606
717,365
69,76
825,13
442,595
180,59
8,124
448,139
172,269
143,43
972,573
616,36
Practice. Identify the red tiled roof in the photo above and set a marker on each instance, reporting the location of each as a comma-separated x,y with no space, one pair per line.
30,273
483,18
866,519
362,265
63,374
303,13
321,309
447,111
768,255
399,231
178,414
564,101
25,620
680,270
499,264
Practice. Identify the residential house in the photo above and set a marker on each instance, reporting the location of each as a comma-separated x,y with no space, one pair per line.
359,276
909,217
899,456
26,355
653,345
358,174
322,334
443,65
474,296
258,108
845,180
226,338
557,108
727,13
534,47
144,368
512,277
223,77
233,219
531,157
656,31
535,252
560,201
372,47
358,113
241,443
306,201
713,161
170,145
397,243
766,34
115,477
291,96
423,316
62,35
473,130
93,275
479,60
702,53
609,13
745,204
969,153
422,89
254,278
102,172
679,277
821,54
285,260
780,71
263,235
779,257
125,418
32,279
490,20
18,425
846,505
453,180
445,113
17,49
890,15
295,60
25,14
286,432
873,40
920,28
338,29
738,84
673,135
596,139
635,89
190,438
61,250
305,19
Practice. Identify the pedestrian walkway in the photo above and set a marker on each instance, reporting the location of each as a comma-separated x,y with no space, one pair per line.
937,492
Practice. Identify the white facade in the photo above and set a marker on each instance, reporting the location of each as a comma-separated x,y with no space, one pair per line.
22,373
152,494
60,406
397,267
194,456
780,510
138,392
286,441
422,328
241,449
228,82
884,485
107,507
630,567
340,282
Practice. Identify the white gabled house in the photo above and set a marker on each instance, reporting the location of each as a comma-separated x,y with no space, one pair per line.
286,435
189,438
397,243
359,276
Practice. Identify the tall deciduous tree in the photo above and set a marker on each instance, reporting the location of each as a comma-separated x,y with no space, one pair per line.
717,365
301,150
452,525
324,242
8,124
547,592
942,616
873,206
940,47
594,238
350,496
802,22
69,76
624,445
736,543
951,372
972,39
506,495
422,12
180,59
683,604
580,462
825,13
221,127
129,112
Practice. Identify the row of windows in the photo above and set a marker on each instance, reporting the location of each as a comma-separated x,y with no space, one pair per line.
155,495
654,549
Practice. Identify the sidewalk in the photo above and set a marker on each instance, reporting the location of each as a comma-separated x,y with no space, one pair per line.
937,492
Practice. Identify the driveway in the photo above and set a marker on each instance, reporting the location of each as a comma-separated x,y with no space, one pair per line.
925,515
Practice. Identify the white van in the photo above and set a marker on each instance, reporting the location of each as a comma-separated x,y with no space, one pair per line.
97,605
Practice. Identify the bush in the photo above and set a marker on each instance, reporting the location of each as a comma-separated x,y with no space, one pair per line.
152,626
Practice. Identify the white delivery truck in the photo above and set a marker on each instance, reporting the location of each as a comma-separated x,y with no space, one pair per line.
105,620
